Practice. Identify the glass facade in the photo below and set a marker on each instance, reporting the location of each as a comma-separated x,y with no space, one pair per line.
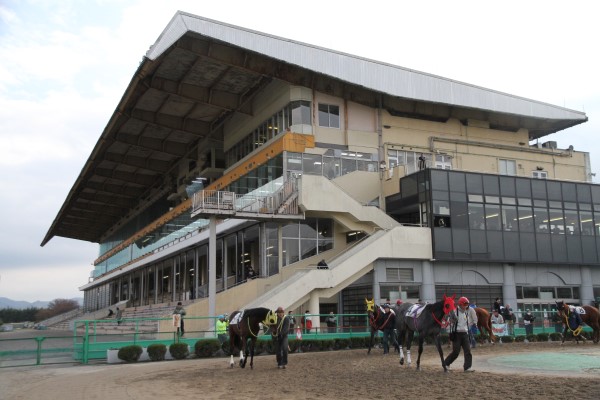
503,218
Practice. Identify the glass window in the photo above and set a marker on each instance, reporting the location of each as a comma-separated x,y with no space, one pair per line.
439,180
474,184
329,115
557,221
569,191
571,222
564,293
301,113
554,190
492,217
290,251
523,188
509,218
476,216
539,174
312,164
530,292
457,182
507,167
476,198
491,185
507,186
587,223
540,217
583,194
525,219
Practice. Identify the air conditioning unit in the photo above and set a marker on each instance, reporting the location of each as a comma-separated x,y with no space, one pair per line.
549,145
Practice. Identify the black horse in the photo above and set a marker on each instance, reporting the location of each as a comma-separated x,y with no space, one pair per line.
427,320
378,321
244,326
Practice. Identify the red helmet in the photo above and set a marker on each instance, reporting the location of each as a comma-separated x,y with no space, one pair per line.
463,301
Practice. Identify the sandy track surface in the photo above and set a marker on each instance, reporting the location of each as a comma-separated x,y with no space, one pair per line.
325,375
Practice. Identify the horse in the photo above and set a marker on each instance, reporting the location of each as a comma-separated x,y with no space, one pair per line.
427,320
484,321
244,326
377,321
590,316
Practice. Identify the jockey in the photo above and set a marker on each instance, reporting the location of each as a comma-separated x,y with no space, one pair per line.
575,321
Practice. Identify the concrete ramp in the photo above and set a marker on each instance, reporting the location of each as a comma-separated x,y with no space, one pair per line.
400,242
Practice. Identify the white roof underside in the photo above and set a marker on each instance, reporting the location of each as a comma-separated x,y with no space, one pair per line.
377,76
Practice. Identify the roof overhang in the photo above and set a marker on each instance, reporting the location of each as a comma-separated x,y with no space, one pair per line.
201,72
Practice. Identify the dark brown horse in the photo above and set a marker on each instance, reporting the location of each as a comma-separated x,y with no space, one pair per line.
427,321
244,326
484,321
573,316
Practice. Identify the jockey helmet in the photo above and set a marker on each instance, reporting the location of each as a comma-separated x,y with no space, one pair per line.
463,301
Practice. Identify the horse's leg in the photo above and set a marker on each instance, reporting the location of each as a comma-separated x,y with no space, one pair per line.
491,332
231,348
438,345
371,341
409,339
252,342
421,340
243,352
564,335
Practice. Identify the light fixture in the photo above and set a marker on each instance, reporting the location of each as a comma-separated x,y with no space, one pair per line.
539,168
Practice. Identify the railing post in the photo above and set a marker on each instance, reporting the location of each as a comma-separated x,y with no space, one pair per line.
39,341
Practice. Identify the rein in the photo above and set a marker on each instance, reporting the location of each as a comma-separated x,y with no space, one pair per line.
443,323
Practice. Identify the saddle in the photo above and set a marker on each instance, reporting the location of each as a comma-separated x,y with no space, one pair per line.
236,318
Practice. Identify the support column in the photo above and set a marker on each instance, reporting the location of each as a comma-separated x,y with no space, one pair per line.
428,285
313,307
212,270
586,290
509,289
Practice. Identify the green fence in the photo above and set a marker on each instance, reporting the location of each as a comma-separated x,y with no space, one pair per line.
91,339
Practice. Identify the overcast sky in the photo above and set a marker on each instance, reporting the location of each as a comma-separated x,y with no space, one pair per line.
64,66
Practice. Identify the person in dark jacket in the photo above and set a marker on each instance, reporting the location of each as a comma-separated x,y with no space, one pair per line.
280,338
388,328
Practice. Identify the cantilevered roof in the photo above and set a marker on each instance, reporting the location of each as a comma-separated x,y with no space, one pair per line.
201,72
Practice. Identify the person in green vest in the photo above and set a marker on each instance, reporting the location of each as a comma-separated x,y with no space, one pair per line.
222,329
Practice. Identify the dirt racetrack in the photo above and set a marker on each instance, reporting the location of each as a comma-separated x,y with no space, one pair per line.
501,372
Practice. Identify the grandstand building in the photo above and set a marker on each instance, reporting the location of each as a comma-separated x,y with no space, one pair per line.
236,161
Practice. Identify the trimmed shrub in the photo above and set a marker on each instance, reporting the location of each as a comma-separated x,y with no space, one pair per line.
341,344
532,338
520,338
207,348
357,342
542,337
130,353
556,336
326,344
507,339
294,345
179,351
157,351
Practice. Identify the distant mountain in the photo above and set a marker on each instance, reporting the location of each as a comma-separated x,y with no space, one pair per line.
21,305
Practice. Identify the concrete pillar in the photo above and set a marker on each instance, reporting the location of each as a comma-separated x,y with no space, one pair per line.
509,289
428,285
315,310
586,290
212,269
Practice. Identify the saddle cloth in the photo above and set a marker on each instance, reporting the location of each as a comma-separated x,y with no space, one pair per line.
577,309
237,318
415,310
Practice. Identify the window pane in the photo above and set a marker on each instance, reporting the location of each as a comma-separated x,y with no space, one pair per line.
587,223
492,217
312,164
291,251
509,218
540,218
476,216
525,219
308,248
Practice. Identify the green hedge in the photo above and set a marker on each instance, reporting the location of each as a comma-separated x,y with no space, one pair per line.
130,353
179,351
157,351
207,348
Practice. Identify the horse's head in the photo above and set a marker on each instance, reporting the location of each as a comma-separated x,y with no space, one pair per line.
370,305
561,307
448,306
270,319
